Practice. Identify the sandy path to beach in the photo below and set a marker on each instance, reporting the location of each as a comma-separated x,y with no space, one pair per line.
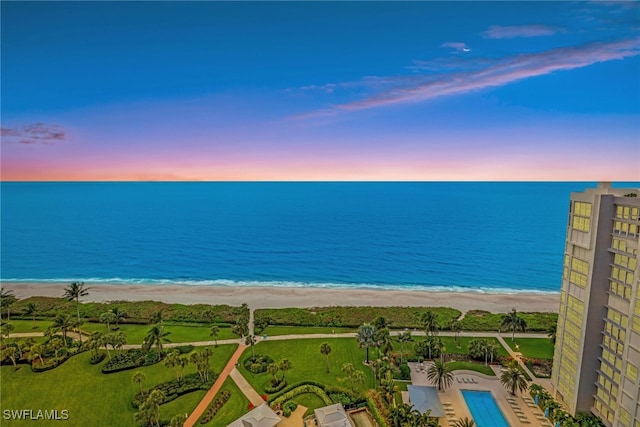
279,297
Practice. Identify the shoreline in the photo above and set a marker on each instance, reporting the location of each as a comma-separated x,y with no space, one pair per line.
297,297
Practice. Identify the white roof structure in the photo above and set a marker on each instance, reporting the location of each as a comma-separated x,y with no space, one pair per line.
332,416
262,416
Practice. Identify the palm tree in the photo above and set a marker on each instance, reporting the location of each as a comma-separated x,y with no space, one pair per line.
456,327
12,353
138,378
6,329
63,323
149,411
31,309
513,380
403,338
284,365
171,361
440,375
388,388
353,375
7,299
464,422
513,322
383,341
430,323
108,317
366,337
177,421
214,331
251,340
118,315
273,369
380,323
37,350
551,332
325,349
74,292
156,335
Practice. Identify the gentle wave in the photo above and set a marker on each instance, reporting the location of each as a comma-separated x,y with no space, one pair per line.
286,284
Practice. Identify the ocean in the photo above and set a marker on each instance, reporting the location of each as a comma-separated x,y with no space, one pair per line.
456,236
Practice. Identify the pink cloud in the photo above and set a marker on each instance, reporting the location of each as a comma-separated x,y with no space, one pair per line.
494,74
509,32
35,133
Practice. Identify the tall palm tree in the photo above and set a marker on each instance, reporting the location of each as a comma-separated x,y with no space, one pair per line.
430,323
250,340
513,322
366,337
383,341
380,323
403,338
118,315
138,378
108,318
62,323
31,309
440,375
354,375
284,365
325,349
157,336
37,350
551,332
7,299
456,327
214,331
513,380
74,292
464,422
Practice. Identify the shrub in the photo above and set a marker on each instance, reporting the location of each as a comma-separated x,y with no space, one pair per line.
97,358
257,364
340,398
288,408
405,372
152,357
215,406
174,388
48,364
301,389
183,349
378,408
275,386
130,359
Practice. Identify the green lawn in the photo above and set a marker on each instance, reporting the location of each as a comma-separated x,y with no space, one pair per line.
471,366
308,363
179,333
136,333
537,348
290,330
310,401
236,406
450,345
91,397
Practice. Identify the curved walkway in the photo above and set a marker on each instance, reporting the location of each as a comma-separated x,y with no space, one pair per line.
202,406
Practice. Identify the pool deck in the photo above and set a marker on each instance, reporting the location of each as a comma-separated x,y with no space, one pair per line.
519,410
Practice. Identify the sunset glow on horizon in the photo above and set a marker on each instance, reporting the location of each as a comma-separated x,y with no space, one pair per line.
313,91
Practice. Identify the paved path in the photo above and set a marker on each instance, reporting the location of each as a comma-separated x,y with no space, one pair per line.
202,406
544,382
246,388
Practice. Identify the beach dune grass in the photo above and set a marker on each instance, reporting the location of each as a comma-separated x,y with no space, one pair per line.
352,317
137,311
480,320
91,397
308,364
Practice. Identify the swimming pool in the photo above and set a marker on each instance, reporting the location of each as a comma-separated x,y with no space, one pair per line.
484,409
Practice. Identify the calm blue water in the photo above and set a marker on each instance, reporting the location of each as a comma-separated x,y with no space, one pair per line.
479,236
484,409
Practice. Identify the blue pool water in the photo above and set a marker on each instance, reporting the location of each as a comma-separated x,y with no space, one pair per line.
484,409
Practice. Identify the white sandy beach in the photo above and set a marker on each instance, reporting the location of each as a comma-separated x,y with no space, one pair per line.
279,297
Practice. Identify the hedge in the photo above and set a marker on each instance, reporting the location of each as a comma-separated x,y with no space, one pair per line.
215,406
175,388
306,388
377,408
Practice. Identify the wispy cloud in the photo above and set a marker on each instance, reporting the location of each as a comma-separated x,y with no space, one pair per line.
36,133
495,73
456,47
510,32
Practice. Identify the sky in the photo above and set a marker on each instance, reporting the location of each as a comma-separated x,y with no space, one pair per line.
330,91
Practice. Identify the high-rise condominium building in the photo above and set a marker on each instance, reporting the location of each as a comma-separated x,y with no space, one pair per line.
597,357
